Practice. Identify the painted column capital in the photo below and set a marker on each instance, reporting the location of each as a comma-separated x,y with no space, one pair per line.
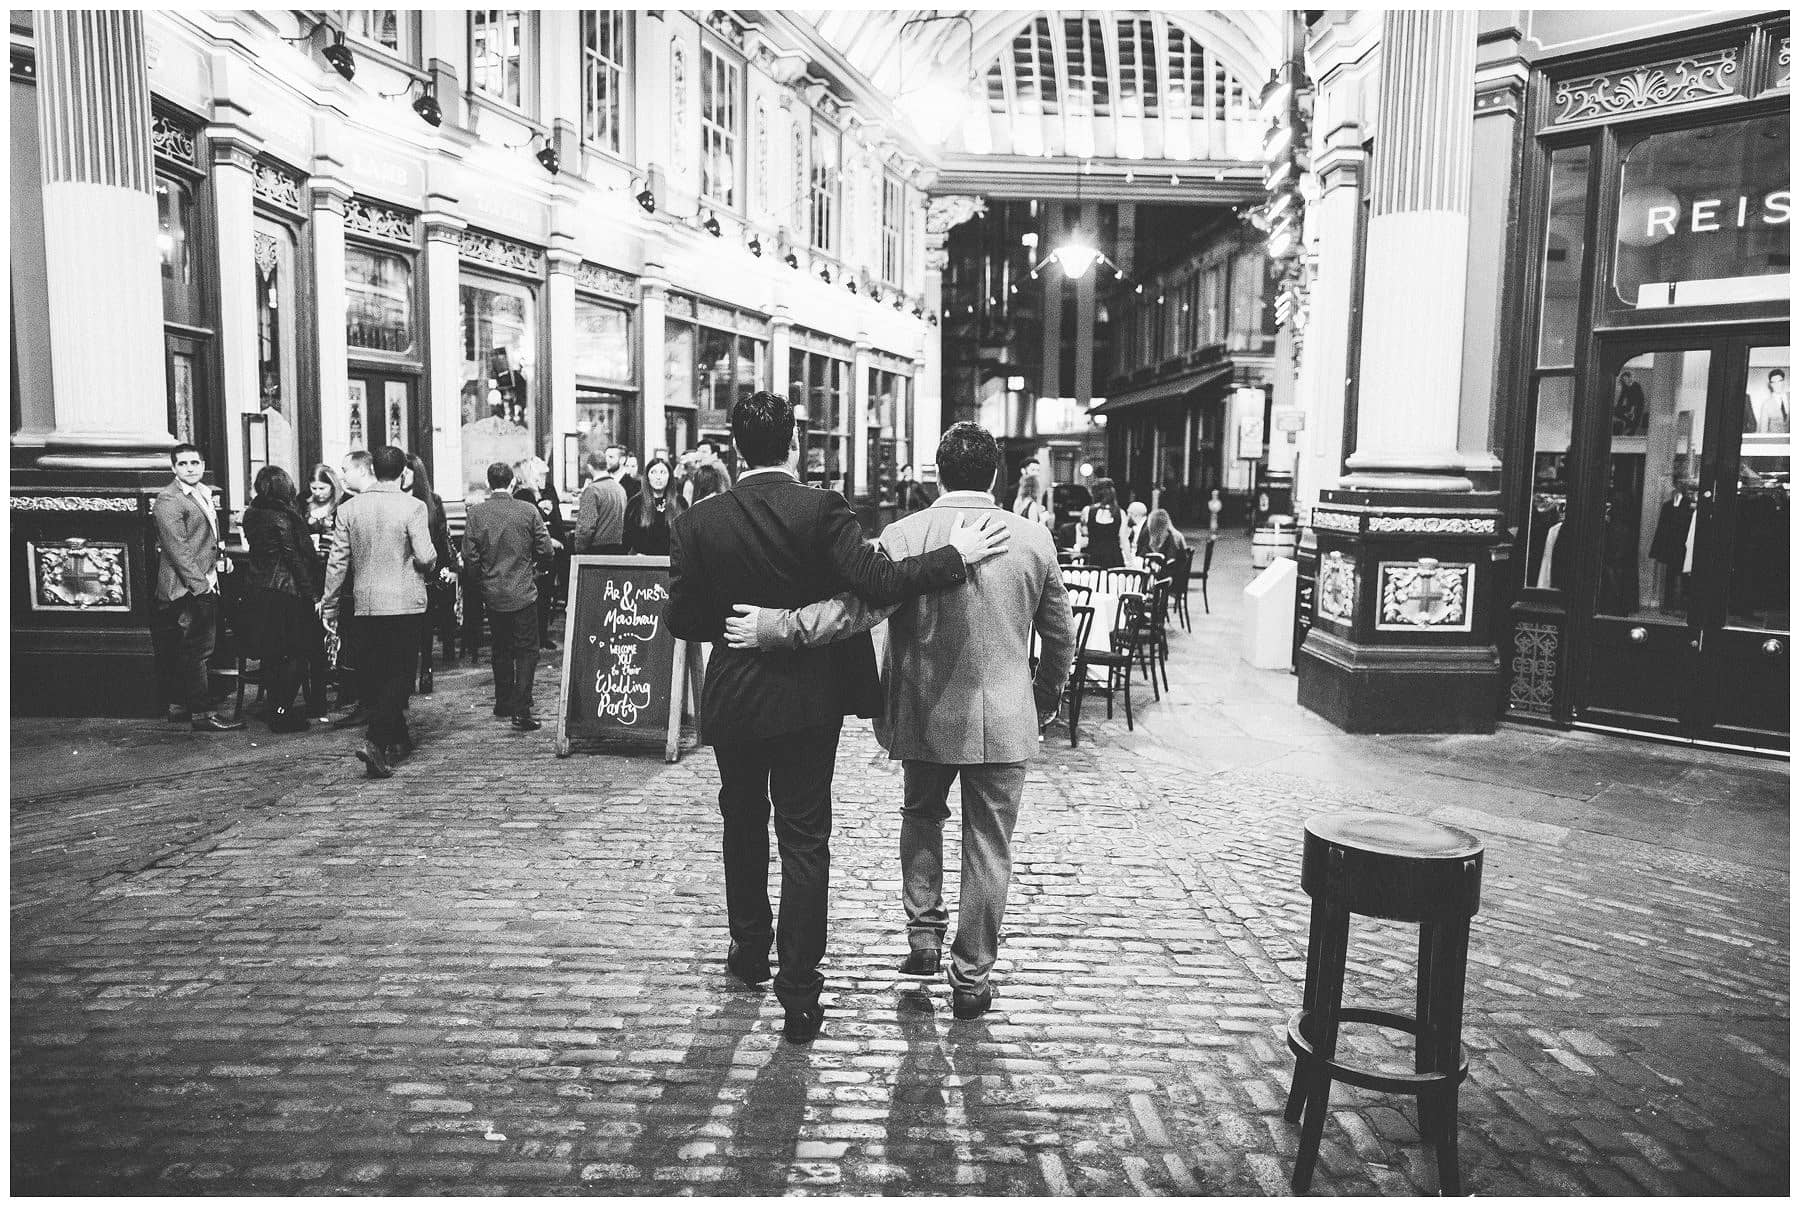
233,147
944,213
562,261
330,194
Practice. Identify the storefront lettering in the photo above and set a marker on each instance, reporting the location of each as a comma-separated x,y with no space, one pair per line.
1706,215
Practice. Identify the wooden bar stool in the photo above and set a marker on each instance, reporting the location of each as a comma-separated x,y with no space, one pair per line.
1406,869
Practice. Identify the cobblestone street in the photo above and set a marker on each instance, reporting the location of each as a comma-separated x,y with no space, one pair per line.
245,969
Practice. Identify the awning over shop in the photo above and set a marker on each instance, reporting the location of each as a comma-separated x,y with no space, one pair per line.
1171,389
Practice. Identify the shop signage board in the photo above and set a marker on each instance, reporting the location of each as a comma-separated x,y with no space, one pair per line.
625,676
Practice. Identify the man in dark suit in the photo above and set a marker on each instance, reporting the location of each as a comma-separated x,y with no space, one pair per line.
773,719
504,538
185,622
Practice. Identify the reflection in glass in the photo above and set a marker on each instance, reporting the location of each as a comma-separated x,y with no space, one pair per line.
602,342
1565,241
717,368
174,228
1653,482
1760,545
276,362
499,349
1703,216
377,300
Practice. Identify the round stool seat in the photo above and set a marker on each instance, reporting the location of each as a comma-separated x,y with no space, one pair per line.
1386,865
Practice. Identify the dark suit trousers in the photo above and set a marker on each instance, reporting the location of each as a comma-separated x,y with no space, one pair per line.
388,647
182,632
515,659
792,773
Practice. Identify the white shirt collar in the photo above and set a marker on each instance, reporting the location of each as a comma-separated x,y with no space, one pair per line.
768,469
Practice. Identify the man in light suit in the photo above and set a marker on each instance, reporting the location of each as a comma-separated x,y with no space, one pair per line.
961,702
185,622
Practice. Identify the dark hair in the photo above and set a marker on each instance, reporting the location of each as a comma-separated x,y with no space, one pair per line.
185,448
596,464
763,426
500,475
1774,373
711,447
707,480
421,483
967,457
272,483
1105,495
388,462
666,502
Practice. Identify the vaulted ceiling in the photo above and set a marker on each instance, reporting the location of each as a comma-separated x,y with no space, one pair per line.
1156,85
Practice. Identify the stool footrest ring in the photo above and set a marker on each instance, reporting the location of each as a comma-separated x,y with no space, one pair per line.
1372,1079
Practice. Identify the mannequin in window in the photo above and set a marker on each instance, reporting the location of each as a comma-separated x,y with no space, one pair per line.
1628,412
1772,415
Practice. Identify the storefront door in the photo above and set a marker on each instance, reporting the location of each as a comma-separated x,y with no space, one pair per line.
381,410
1686,530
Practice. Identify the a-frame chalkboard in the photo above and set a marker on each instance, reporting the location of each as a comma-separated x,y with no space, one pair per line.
625,676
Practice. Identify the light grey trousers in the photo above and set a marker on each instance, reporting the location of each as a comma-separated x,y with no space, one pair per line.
990,807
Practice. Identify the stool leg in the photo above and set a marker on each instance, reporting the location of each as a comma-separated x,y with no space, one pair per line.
1449,966
1318,1088
1309,1004
1425,1043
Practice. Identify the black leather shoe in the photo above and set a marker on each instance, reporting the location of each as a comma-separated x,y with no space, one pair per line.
371,756
355,718
212,722
966,1005
746,967
802,1025
923,961
527,724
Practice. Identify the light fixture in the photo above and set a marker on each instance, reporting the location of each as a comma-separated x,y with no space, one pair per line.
939,103
793,261
646,198
932,318
340,58
1174,180
898,301
549,158
711,225
850,284
426,106
756,246
1130,176
918,312
1076,257
825,275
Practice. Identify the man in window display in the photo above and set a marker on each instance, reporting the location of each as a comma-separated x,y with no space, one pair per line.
1770,412
185,621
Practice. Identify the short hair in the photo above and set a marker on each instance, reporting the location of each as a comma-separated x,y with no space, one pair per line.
967,457
500,475
1031,462
763,426
359,457
179,449
619,447
1774,373
596,463
272,482
388,462
711,446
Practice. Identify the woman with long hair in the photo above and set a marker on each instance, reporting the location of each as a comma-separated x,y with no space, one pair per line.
1161,537
652,510
1030,501
283,580
708,480
440,590
324,494
1099,527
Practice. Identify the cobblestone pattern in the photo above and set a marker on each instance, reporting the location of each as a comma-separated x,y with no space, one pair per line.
502,973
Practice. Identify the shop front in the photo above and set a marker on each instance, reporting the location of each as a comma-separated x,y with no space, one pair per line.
503,404
820,381
713,355
1652,547
607,406
381,328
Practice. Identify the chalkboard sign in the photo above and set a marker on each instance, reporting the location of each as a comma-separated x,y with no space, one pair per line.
624,674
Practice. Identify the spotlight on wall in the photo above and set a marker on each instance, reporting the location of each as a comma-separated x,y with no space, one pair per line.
793,261
711,225
340,58
646,198
932,319
898,301
427,108
825,275
850,284
918,312
756,246
549,158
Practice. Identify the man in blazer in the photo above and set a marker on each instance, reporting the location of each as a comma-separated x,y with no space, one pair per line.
961,702
185,622
773,720
505,539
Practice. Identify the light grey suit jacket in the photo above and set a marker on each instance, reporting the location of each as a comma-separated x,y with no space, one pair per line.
187,542
384,536
957,678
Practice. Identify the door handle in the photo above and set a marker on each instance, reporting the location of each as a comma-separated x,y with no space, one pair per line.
1772,647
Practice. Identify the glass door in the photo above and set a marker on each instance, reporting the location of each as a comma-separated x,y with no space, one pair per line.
1686,515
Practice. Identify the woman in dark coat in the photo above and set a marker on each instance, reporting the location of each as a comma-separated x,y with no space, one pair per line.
440,589
283,579
1101,523
652,510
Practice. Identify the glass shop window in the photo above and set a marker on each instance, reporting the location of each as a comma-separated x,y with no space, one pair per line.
499,355
602,342
1703,216
378,311
1544,565
175,235
603,79
497,54
276,350
1565,242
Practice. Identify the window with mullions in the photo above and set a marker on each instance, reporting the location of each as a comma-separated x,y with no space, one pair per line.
394,30
720,119
827,144
603,79
893,223
497,54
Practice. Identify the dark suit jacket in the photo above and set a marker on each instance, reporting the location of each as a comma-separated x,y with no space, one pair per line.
774,543
504,537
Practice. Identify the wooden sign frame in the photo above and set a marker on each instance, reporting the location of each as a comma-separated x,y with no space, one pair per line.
685,672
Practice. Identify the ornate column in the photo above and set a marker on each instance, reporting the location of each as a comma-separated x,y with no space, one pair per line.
1402,611
442,307
234,207
859,415
653,305
560,318
100,236
941,216
329,194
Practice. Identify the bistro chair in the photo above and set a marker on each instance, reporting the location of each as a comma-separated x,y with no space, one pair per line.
1144,634
1205,569
1181,573
1116,662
